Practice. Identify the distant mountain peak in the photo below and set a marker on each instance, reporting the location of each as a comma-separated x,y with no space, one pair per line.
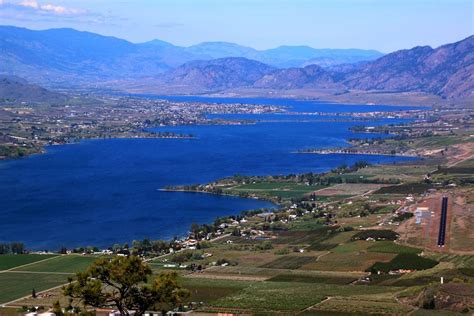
158,42
217,74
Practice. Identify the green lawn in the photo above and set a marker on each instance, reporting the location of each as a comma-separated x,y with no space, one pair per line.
66,264
14,285
10,261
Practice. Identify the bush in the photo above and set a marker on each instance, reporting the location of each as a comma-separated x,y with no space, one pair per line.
376,234
402,217
282,251
266,245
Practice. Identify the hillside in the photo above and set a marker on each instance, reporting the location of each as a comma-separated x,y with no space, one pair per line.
297,78
14,89
223,73
447,71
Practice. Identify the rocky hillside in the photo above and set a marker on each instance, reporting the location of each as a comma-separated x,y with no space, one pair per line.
296,78
447,71
217,74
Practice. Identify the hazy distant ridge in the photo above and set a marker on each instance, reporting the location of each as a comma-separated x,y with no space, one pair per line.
59,54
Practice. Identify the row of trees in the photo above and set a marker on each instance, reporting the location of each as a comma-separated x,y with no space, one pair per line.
14,247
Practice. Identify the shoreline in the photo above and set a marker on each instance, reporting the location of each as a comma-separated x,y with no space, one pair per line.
422,100
342,152
44,147
221,194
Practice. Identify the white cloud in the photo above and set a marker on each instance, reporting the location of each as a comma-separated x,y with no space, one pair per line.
33,6
29,4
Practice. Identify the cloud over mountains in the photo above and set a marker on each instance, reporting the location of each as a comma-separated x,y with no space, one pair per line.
40,8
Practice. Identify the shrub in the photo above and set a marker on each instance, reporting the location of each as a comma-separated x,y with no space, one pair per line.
376,234
402,217
282,251
266,245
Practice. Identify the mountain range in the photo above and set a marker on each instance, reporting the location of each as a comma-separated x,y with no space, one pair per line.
447,71
63,54
66,57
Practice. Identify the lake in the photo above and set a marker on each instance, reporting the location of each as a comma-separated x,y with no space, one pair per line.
101,192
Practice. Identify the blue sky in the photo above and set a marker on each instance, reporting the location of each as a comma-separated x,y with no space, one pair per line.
386,25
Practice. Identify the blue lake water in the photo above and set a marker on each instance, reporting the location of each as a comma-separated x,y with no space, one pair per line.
101,192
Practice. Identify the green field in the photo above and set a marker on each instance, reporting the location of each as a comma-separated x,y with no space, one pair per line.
326,279
289,262
347,261
209,290
14,285
295,237
305,225
457,260
34,273
361,305
391,247
291,296
279,189
64,264
353,246
11,261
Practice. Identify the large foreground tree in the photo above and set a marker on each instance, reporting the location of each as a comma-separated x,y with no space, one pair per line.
121,283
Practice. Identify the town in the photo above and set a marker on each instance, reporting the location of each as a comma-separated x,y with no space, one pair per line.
28,128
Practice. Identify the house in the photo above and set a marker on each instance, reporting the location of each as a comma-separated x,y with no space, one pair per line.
190,243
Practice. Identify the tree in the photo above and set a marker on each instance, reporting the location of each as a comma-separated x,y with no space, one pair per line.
17,248
120,283
4,248
57,310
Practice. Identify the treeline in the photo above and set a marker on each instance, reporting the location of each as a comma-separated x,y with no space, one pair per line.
347,169
12,248
335,176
